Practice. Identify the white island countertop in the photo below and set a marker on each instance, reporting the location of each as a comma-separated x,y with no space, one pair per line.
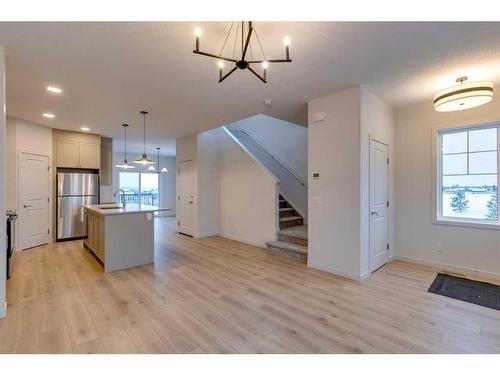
115,209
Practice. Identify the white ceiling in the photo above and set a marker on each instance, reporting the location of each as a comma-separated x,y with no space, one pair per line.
110,71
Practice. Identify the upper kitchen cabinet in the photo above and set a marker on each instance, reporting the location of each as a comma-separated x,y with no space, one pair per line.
77,150
106,161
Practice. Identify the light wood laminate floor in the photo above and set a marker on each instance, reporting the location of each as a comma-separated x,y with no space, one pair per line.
220,296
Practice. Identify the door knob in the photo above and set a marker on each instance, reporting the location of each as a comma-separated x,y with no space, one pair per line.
375,213
191,202
27,205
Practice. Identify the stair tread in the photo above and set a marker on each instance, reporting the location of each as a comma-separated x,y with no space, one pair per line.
287,209
290,218
282,201
299,231
288,246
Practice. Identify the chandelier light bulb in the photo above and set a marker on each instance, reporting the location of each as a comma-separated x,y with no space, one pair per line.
197,32
286,40
221,65
265,65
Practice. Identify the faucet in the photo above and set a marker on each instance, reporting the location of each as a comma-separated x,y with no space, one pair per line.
123,193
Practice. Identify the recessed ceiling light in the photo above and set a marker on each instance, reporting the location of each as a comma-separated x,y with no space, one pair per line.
85,129
53,89
49,115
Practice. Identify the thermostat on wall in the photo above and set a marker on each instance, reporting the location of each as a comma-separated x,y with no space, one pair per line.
319,116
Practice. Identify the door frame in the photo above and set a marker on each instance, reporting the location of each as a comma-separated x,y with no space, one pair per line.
49,193
370,261
178,209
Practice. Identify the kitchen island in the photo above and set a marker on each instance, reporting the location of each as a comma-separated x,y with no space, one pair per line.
120,236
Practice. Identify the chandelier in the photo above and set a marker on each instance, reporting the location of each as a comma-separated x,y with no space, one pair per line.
242,35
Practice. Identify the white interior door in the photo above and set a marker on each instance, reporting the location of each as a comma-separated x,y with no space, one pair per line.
187,182
33,200
379,252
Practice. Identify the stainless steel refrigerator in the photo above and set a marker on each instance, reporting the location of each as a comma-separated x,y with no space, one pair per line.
73,191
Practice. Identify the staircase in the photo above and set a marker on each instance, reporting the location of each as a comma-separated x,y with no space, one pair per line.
292,236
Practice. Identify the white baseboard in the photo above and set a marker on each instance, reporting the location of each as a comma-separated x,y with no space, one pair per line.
447,267
337,272
203,235
248,242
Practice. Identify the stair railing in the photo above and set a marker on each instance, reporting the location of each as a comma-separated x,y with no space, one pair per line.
302,182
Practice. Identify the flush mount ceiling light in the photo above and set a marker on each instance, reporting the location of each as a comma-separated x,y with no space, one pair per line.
49,115
54,90
125,164
463,96
85,129
144,160
243,33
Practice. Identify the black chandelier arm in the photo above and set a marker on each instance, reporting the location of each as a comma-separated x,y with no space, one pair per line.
270,61
257,75
227,74
198,52
249,35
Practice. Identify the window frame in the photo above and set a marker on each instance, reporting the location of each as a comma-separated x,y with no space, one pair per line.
139,173
438,217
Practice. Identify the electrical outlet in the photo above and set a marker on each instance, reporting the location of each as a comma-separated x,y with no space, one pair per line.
440,247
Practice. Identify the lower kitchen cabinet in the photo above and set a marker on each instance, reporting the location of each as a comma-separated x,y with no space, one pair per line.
95,234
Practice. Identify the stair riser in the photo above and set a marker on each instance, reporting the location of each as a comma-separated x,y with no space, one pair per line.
292,223
283,204
288,213
295,240
300,257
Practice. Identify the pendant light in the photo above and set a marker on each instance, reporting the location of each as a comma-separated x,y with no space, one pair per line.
463,96
125,164
152,168
144,160
163,170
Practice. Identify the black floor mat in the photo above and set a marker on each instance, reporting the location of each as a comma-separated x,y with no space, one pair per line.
477,292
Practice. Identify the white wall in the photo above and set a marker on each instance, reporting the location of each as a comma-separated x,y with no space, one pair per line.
377,122
166,181
236,197
208,190
334,198
31,138
285,140
3,299
167,185
417,238
339,201
248,196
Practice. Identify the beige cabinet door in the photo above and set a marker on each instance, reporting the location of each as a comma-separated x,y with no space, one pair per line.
67,155
89,155
100,227
106,165
90,233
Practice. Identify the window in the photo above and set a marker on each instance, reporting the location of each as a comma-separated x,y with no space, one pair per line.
140,187
468,178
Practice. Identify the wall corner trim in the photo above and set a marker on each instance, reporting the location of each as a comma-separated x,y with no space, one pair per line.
3,310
